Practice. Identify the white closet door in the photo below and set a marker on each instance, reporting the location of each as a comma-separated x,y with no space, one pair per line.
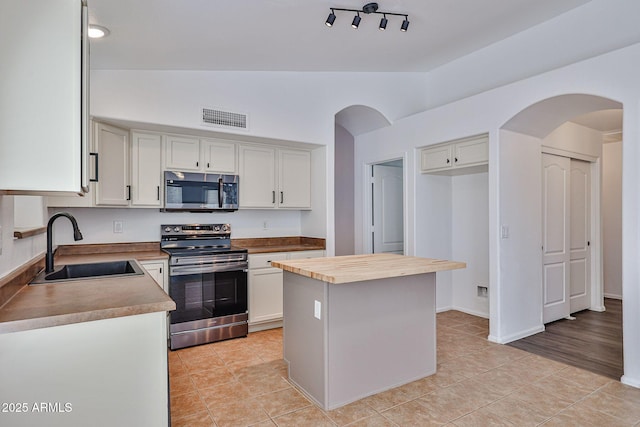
388,226
580,214
555,239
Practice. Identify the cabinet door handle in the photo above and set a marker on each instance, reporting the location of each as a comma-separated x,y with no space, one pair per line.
208,166
128,192
273,196
448,161
197,164
456,160
158,192
96,164
282,197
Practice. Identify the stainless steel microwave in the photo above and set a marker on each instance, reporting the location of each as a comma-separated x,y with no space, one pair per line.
200,192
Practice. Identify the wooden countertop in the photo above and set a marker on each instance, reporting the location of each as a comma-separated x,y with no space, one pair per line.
279,244
62,303
356,268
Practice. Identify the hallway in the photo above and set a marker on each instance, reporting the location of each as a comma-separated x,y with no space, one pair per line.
592,342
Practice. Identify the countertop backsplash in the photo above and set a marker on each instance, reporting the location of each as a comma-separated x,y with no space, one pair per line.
143,225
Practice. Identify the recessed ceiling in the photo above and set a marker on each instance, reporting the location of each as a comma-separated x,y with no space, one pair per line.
290,35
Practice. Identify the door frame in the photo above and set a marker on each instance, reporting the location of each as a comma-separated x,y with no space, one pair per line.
368,202
597,271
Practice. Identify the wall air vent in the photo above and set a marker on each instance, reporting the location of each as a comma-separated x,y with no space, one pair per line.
226,119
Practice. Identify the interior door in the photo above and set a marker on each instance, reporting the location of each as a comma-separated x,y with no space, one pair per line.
580,214
387,218
555,238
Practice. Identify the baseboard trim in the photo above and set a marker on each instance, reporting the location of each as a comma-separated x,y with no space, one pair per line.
471,312
633,382
516,336
443,309
613,296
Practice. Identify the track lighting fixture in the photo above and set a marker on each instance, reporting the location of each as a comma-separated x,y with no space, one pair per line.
330,19
368,9
356,20
405,24
383,23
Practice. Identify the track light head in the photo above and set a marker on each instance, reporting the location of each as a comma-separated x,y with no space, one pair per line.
356,21
330,19
383,23
405,24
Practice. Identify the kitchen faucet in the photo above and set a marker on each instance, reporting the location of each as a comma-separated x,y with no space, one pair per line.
77,235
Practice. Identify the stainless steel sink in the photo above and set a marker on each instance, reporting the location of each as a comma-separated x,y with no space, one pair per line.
95,270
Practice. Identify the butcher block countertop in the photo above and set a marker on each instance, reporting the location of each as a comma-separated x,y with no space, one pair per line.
279,244
357,268
77,301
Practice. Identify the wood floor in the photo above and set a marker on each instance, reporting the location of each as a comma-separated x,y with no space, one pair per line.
592,342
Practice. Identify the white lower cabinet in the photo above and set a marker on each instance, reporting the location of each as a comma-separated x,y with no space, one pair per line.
265,288
159,271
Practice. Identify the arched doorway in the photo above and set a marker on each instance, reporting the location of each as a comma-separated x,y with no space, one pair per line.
349,123
565,130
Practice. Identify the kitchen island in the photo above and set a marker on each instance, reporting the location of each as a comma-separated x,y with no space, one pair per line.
358,325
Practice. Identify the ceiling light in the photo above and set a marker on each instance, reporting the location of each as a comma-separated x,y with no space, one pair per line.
405,24
368,9
330,19
97,32
356,21
383,23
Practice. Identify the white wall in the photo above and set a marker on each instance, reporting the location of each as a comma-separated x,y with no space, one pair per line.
344,197
143,225
612,218
434,222
576,139
15,252
470,241
514,181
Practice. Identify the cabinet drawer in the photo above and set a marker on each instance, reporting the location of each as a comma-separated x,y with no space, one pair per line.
264,260
306,254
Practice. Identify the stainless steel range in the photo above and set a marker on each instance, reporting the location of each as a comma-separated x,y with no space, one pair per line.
207,281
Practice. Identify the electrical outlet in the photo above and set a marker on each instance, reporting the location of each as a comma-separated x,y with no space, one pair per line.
504,231
317,309
483,291
265,225
118,226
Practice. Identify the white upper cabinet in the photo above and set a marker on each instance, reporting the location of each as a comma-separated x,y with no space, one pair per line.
274,177
184,153
112,186
294,179
468,155
44,103
218,156
181,153
146,171
257,177
126,170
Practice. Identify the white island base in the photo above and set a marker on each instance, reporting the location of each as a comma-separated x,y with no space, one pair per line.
369,336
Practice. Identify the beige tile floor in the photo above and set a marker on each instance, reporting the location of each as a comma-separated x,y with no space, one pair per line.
242,382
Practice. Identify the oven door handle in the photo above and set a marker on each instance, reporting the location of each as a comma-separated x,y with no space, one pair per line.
183,270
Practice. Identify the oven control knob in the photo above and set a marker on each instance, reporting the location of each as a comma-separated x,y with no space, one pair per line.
167,229
216,228
225,227
176,229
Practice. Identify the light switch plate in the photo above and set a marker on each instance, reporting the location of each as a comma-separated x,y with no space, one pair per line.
118,226
317,309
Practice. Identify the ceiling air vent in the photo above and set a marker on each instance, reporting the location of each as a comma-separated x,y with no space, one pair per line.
221,118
